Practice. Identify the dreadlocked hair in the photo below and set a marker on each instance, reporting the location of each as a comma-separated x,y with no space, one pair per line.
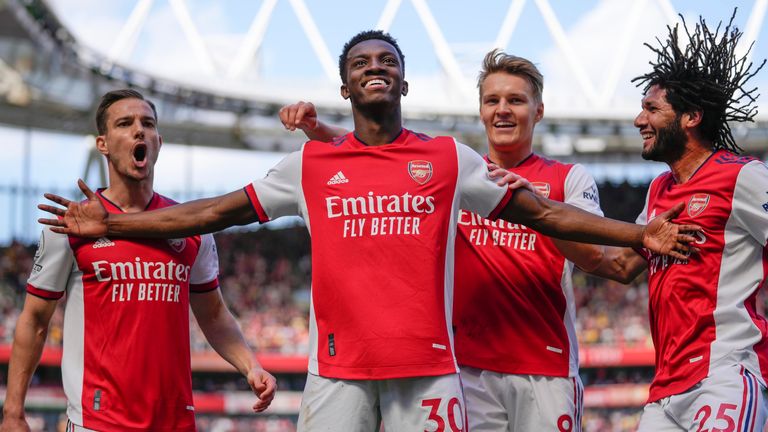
706,77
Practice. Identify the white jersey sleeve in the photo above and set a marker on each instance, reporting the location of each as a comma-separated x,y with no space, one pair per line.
54,262
581,190
206,267
479,193
642,218
750,201
279,191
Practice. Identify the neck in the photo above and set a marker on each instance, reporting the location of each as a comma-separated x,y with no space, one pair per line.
693,157
128,194
509,157
377,127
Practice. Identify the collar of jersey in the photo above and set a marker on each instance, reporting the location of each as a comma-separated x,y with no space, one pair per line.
401,139
695,176
526,160
114,208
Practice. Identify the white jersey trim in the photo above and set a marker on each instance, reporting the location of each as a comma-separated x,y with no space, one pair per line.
579,190
740,275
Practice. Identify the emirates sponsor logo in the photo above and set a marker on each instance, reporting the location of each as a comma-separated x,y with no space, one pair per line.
542,188
106,271
177,244
338,178
420,171
102,243
697,204
372,204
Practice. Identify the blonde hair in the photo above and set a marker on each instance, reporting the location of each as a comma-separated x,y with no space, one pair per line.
499,61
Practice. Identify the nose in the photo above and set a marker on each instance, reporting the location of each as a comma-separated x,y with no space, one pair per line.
503,107
138,130
374,66
641,120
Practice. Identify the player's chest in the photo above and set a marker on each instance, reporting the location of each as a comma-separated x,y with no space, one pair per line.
108,259
705,206
401,178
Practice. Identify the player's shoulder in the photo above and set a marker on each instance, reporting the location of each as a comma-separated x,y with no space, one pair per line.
725,158
549,162
161,201
561,170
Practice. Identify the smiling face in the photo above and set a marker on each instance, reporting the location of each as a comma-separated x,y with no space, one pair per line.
663,137
509,111
131,142
374,75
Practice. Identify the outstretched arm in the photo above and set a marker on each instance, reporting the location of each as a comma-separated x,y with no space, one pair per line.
566,222
224,335
303,115
90,219
620,264
28,341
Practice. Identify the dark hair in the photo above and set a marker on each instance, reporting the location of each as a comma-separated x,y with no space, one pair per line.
362,37
499,61
110,98
706,77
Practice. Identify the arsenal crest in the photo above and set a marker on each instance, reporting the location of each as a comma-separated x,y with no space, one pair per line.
542,188
420,171
177,244
697,204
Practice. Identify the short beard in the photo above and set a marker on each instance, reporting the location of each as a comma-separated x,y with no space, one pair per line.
669,144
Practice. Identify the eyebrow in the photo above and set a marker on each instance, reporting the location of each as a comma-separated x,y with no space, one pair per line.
130,117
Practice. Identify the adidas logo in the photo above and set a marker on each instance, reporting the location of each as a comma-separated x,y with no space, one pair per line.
103,242
338,178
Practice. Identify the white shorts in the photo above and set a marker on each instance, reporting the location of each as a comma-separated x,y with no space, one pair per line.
404,404
506,402
729,399
71,427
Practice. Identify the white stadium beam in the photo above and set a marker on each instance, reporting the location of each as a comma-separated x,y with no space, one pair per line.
388,15
668,11
126,39
753,27
509,24
622,54
315,38
557,32
253,40
442,50
181,12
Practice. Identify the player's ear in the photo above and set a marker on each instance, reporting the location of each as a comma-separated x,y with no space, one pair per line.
539,112
101,145
692,119
404,91
344,91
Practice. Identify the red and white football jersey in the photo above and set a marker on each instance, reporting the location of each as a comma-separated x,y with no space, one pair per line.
382,221
126,361
702,310
514,308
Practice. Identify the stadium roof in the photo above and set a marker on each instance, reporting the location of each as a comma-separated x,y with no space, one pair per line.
220,70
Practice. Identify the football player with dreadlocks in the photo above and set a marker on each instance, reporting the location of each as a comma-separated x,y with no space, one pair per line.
711,344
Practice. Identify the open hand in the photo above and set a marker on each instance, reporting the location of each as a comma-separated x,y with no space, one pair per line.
504,177
83,219
264,386
664,237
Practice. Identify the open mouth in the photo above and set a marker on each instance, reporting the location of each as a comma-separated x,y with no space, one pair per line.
504,124
140,154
